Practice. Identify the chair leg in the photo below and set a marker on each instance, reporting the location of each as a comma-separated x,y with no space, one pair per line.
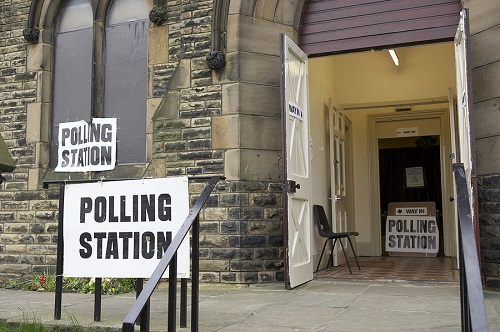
354,253
345,256
330,259
321,256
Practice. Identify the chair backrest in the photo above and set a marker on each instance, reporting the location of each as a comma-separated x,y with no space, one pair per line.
322,221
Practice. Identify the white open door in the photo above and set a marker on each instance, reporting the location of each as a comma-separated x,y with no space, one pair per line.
297,164
449,203
338,178
464,130
463,121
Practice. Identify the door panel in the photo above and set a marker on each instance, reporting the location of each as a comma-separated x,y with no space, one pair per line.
338,179
463,96
465,132
295,114
449,202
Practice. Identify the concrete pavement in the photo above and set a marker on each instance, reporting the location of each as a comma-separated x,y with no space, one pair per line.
320,305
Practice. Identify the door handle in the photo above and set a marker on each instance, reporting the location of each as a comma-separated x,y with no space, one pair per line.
292,186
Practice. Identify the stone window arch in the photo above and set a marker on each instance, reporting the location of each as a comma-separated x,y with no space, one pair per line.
92,61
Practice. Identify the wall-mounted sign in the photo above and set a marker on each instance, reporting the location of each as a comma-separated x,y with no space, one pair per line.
86,146
411,211
295,111
407,132
417,234
122,228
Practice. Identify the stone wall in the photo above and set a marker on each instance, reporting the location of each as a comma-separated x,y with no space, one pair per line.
485,65
241,235
28,218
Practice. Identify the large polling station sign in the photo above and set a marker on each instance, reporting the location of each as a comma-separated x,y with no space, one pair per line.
412,231
86,146
121,229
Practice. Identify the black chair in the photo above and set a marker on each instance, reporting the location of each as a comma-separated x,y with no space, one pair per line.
326,232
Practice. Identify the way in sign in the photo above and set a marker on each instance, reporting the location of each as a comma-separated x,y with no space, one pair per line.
411,211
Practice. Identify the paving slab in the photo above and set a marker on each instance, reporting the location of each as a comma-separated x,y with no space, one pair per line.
319,305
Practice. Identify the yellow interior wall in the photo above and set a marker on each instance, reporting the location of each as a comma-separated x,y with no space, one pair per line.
320,89
372,78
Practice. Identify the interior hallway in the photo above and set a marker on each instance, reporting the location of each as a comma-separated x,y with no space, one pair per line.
442,269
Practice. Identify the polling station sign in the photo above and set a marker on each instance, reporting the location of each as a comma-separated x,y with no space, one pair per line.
121,229
86,146
417,234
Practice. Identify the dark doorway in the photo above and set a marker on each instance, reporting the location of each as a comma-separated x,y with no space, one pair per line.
397,154
392,164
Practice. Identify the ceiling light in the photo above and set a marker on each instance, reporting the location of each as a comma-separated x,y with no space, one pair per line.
394,57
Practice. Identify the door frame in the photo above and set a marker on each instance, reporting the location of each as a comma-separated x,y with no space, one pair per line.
449,227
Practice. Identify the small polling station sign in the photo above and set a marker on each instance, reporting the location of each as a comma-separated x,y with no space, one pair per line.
121,229
411,229
86,146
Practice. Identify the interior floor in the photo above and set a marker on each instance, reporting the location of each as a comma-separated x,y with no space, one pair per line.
442,269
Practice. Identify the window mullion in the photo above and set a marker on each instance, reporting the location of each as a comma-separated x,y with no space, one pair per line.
98,70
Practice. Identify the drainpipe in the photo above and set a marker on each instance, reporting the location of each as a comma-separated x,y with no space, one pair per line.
158,14
216,59
32,31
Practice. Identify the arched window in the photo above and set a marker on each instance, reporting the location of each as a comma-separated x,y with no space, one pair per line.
125,91
72,77
102,72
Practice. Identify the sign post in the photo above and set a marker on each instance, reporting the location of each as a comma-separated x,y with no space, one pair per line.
120,223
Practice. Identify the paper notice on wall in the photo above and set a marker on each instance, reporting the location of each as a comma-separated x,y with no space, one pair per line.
86,146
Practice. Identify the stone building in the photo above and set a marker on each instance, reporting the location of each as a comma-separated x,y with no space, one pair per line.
195,86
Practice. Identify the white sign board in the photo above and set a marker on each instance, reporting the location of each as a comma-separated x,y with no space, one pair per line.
122,228
295,111
87,147
419,234
407,132
411,211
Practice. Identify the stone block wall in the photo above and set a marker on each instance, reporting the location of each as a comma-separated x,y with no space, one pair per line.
485,66
28,218
489,220
241,232
241,237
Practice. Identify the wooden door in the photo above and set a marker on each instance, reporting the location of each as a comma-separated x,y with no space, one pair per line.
338,176
295,114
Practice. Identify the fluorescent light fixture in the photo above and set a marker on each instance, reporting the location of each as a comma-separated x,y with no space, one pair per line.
394,57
